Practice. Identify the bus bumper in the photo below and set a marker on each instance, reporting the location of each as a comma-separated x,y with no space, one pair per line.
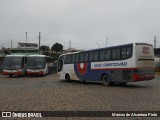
37,72
139,77
14,72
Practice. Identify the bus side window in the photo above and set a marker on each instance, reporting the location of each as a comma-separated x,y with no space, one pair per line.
123,53
73,58
69,59
96,55
90,56
129,51
81,57
66,59
85,57
118,54
107,55
126,52
102,55
77,57
114,54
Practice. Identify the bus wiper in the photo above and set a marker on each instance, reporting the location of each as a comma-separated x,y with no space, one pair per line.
13,65
35,66
9,67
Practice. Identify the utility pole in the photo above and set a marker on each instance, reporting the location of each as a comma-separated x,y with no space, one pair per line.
11,44
26,37
70,45
155,41
39,41
106,41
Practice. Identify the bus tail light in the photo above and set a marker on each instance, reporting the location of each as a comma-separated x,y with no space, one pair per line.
135,77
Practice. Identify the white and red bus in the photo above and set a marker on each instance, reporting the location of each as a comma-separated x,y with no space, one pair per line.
14,65
39,65
116,64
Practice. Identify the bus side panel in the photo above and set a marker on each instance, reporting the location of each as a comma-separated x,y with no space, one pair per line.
68,69
122,75
116,75
118,71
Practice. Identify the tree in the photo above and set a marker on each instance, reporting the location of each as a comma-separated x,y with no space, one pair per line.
57,47
45,50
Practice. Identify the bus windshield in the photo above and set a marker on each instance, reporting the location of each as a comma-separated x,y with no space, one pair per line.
12,63
35,62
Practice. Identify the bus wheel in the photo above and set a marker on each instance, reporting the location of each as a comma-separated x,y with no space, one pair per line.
105,80
67,77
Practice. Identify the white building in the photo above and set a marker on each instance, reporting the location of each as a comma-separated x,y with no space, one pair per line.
28,45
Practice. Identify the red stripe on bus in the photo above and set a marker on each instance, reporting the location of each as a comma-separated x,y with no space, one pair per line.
122,68
114,69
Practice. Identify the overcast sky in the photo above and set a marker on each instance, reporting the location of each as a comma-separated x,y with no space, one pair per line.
86,23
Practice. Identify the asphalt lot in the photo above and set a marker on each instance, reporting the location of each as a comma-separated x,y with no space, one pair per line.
50,94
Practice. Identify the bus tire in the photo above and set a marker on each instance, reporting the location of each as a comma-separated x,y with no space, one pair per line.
105,80
67,77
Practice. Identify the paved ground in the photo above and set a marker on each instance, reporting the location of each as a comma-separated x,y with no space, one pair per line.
49,94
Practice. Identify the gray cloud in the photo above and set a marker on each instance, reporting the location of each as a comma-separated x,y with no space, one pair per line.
84,22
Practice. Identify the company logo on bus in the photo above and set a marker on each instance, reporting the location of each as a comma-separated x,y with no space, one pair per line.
145,50
82,68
